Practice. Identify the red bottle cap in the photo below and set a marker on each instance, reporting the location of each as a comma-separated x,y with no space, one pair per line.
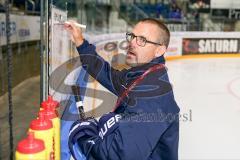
30,145
41,123
49,112
54,104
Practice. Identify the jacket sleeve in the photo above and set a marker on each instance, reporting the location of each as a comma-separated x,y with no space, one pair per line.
98,68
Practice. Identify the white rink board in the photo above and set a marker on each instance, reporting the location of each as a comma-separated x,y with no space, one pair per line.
59,53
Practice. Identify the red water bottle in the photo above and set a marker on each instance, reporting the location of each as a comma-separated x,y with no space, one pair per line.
51,102
43,129
31,148
52,114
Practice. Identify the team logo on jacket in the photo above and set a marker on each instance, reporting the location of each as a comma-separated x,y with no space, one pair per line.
108,125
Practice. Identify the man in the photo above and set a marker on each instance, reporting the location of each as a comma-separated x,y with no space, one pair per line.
144,124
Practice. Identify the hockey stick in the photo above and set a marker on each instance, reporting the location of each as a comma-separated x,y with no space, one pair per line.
79,103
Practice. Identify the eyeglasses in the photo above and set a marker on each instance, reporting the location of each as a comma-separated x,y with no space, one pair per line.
141,41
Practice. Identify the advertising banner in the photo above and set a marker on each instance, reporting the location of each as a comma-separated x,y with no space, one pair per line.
22,28
210,46
175,46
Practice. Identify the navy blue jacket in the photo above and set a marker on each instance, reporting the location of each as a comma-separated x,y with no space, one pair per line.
145,126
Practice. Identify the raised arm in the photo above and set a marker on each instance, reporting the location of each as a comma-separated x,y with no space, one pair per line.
94,64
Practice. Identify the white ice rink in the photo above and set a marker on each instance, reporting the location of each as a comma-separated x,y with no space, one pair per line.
208,93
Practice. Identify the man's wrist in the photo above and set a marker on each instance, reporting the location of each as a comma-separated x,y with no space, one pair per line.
83,46
79,42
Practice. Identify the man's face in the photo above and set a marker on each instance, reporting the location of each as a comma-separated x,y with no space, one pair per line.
137,55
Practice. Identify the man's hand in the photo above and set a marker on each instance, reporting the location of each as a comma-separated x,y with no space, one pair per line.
87,128
76,32
82,134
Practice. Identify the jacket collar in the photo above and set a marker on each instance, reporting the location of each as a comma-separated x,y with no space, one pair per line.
138,70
